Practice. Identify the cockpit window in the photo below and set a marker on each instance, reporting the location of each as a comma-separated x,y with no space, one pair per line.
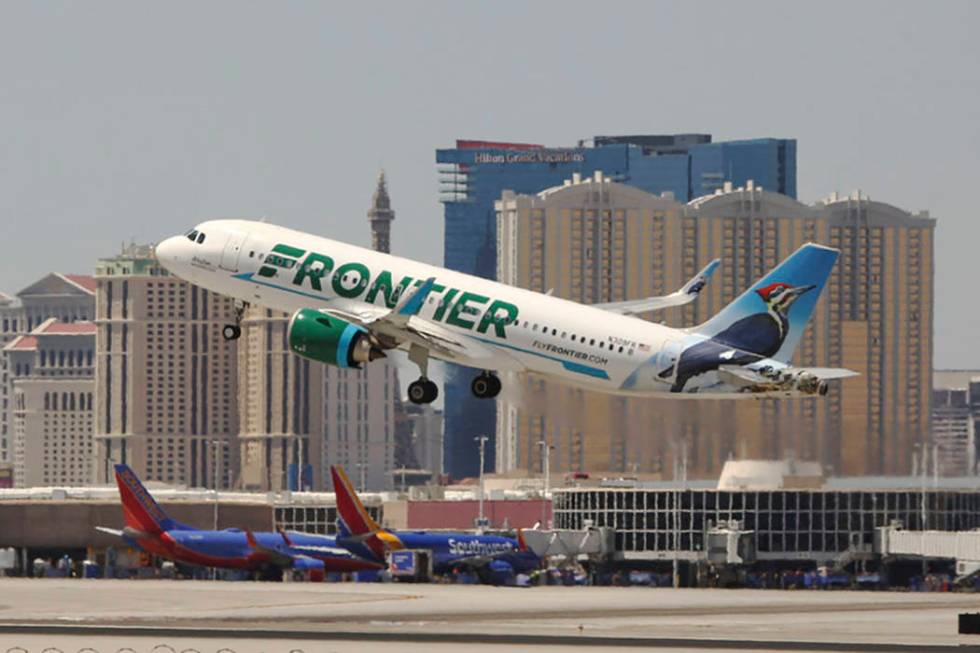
200,238
192,235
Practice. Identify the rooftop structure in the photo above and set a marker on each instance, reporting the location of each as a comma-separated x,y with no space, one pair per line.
380,216
67,297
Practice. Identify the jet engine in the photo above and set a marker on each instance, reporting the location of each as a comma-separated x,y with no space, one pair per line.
327,339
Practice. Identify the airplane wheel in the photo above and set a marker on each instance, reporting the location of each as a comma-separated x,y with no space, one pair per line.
422,391
231,332
485,386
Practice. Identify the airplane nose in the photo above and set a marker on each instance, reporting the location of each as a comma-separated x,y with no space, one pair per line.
168,252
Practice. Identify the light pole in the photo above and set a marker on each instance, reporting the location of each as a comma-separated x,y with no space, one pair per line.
217,446
299,443
482,440
546,469
546,465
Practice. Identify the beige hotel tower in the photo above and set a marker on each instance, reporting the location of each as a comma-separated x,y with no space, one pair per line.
166,396
595,240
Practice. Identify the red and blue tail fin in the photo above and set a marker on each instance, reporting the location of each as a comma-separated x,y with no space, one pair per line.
349,505
141,512
355,524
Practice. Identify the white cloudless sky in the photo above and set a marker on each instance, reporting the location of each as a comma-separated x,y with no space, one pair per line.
123,120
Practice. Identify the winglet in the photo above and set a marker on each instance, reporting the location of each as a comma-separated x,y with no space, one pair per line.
411,302
698,281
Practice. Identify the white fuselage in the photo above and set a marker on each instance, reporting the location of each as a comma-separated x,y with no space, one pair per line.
263,264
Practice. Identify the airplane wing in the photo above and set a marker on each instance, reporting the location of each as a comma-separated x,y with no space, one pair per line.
685,295
279,558
402,325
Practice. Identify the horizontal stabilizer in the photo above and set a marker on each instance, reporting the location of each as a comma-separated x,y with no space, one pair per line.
827,373
110,531
793,380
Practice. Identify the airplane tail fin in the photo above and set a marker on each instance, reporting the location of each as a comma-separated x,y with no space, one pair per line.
364,536
140,510
349,505
788,292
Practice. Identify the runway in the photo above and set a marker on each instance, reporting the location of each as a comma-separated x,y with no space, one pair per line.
112,615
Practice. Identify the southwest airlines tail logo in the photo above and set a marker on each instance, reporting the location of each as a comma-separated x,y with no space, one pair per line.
138,492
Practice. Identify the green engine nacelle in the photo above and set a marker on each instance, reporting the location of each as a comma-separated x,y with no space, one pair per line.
330,340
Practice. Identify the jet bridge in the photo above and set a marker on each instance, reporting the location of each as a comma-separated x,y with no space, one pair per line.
573,544
961,546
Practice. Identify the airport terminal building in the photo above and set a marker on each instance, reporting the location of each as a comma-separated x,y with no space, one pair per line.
805,525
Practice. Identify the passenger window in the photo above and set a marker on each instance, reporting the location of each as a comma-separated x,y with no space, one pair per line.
620,349
554,332
592,342
602,345
251,254
534,328
564,333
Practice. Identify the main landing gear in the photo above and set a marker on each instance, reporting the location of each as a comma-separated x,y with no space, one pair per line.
234,331
422,391
485,386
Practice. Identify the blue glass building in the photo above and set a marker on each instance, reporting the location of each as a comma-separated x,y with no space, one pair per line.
475,173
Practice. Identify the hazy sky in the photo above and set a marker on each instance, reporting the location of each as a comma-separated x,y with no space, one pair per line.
133,120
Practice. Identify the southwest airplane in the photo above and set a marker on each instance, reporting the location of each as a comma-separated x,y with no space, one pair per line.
350,305
491,556
149,528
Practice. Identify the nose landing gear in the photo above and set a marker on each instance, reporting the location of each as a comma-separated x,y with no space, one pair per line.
234,331
485,386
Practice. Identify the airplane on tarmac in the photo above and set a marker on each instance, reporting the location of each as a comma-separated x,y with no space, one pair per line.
350,305
492,557
149,528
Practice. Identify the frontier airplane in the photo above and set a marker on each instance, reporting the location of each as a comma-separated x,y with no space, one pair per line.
350,305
